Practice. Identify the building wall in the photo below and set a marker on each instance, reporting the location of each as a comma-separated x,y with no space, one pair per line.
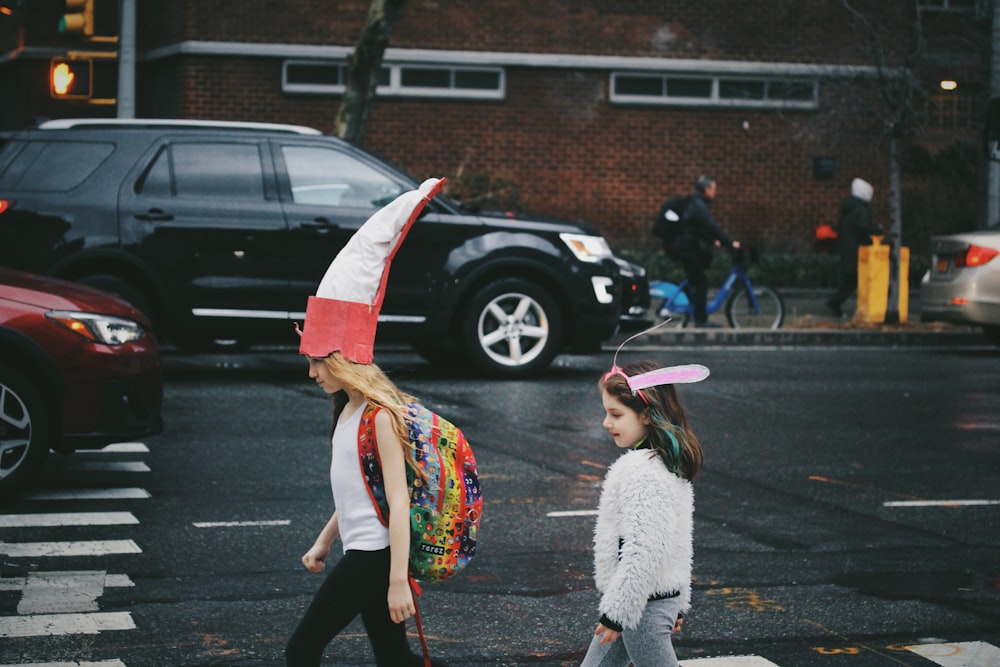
556,136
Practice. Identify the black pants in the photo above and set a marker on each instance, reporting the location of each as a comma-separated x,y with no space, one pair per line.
358,584
697,291
848,283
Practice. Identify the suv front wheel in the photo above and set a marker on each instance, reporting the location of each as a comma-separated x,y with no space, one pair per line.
512,328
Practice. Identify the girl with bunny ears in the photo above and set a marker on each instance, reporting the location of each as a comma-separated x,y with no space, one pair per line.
643,539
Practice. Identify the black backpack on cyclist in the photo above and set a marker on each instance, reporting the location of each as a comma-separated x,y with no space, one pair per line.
667,224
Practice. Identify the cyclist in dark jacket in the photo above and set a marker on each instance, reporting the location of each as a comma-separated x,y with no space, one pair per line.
698,236
854,229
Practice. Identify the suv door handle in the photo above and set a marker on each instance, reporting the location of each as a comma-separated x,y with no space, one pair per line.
321,225
154,215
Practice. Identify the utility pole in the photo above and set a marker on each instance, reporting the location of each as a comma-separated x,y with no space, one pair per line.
126,60
993,185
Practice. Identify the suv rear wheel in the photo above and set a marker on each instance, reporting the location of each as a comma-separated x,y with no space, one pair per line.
25,430
512,328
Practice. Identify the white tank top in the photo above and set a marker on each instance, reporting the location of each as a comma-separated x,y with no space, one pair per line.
360,528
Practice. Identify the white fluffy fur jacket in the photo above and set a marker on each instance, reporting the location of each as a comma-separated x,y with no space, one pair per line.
643,537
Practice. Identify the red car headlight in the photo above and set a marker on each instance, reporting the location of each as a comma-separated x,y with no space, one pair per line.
104,329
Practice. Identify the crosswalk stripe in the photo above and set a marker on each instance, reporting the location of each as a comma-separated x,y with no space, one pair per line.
59,549
101,663
117,448
65,624
67,519
958,654
110,466
729,661
132,493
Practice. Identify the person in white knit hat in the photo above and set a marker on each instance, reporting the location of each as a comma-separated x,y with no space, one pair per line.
371,579
854,229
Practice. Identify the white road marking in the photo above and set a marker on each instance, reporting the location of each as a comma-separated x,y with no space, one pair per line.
64,624
958,654
239,524
556,515
117,448
110,466
61,592
58,549
939,503
90,494
729,661
67,519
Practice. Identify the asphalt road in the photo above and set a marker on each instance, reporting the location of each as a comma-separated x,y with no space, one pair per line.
834,516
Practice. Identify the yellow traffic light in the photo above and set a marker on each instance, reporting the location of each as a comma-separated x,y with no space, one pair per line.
79,17
70,78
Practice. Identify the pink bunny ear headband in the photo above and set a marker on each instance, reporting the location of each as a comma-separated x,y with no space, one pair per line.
670,375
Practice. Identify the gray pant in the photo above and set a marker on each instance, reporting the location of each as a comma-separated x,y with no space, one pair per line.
648,645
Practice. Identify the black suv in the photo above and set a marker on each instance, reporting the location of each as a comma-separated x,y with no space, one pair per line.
220,231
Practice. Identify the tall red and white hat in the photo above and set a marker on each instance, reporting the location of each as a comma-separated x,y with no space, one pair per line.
344,313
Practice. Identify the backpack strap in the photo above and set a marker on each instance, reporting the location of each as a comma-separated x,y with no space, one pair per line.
371,464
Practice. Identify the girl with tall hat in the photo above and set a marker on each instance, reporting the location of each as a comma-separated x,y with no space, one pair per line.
643,535
371,578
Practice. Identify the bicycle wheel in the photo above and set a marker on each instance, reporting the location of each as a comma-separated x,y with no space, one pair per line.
740,311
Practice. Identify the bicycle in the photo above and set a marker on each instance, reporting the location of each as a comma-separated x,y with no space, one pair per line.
745,304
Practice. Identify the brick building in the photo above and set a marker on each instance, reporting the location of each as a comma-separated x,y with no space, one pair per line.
582,108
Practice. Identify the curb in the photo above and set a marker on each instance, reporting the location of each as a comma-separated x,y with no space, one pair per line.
818,337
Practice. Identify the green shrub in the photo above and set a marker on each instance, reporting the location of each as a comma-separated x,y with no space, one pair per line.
778,270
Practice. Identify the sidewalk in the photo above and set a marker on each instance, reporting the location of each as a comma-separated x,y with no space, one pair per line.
809,322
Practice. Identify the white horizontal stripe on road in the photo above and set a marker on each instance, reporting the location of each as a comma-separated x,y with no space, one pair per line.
132,493
117,448
939,503
58,549
48,625
958,654
240,524
67,519
61,592
729,661
102,663
109,466
556,515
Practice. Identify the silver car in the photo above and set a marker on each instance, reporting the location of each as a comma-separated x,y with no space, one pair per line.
963,283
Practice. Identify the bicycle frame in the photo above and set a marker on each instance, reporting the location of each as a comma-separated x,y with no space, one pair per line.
736,273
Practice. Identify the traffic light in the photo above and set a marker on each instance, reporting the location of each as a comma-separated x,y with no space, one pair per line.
84,75
71,78
95,20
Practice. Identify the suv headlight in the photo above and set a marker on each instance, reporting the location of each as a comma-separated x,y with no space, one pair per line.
104,329
587,248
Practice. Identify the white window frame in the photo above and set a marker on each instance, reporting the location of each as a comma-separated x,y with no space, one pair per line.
396,88
945,6
714,99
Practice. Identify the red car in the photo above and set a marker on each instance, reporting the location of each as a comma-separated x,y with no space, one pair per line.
79,368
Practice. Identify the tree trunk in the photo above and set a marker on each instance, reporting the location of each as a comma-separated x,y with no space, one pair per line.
364,66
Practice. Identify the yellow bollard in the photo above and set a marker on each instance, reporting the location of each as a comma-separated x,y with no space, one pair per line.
873,283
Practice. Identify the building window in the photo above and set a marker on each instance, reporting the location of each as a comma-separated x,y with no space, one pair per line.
718,91
324,78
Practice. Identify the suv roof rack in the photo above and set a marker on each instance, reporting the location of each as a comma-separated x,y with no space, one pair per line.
180,123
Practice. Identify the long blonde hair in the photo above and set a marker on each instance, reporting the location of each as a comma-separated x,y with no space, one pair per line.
377,389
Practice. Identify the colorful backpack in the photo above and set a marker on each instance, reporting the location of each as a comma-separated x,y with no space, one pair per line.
446,509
